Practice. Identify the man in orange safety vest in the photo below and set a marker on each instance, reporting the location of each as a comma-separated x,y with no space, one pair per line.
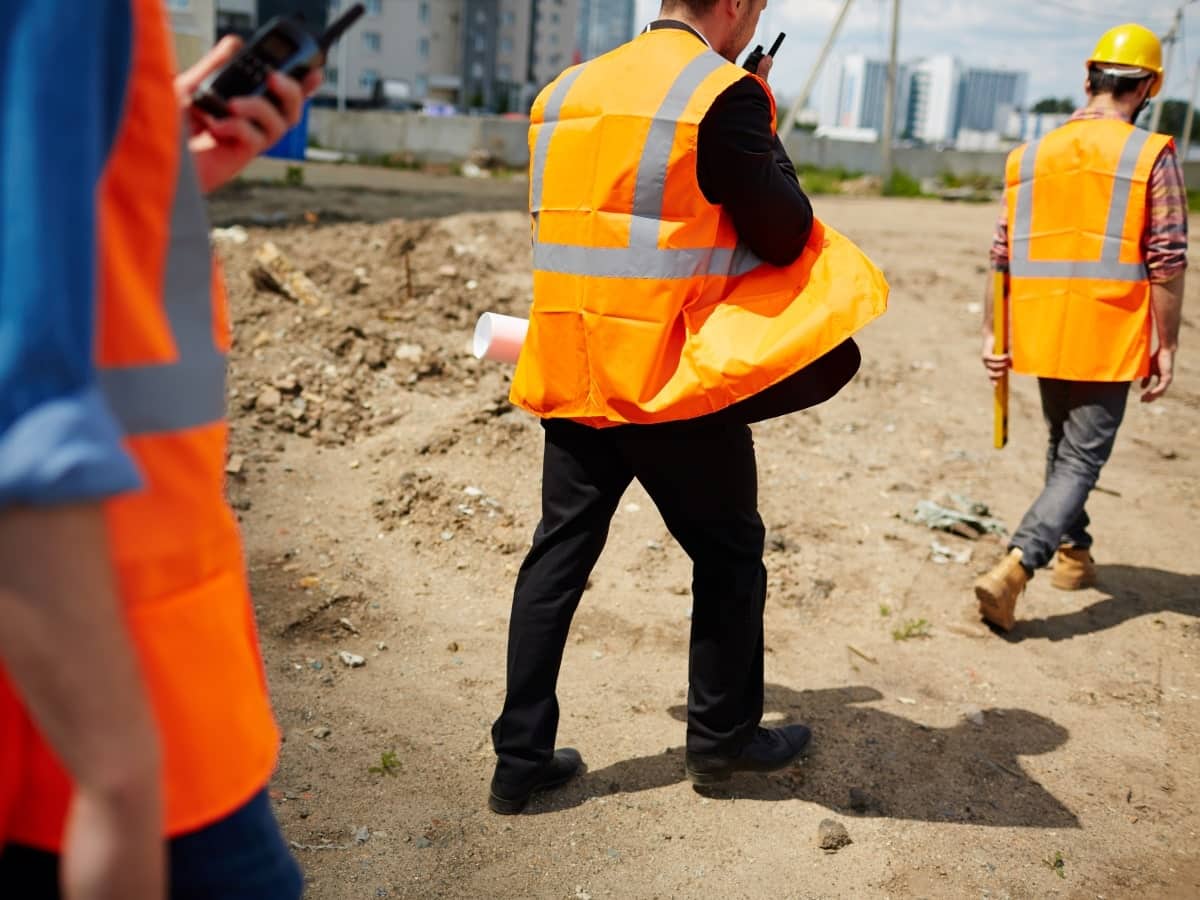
1094,241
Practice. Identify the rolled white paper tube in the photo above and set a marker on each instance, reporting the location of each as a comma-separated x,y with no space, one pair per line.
499,337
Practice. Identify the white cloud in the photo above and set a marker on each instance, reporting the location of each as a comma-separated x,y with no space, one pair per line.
1049,39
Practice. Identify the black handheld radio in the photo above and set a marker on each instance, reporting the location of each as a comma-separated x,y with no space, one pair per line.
756,55
282,45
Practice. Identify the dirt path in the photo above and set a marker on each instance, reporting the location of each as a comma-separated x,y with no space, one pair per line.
388,494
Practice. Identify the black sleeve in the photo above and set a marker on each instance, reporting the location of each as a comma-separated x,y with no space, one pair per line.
743,167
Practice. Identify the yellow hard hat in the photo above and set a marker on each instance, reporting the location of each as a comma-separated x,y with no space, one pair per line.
1130,46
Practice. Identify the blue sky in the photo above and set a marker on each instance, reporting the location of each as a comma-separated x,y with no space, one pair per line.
1050,39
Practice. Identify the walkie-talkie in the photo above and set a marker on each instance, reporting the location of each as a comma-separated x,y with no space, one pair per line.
282,45
756,55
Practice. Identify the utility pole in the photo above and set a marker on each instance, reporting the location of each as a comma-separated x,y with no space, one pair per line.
1169,39
1191,111
889,100
343,75
789,121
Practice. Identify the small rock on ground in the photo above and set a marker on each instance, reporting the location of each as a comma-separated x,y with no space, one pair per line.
832,835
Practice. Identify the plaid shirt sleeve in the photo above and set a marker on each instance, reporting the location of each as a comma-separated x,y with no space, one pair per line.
1166,236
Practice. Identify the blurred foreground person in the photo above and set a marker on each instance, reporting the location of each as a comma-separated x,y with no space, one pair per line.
133,702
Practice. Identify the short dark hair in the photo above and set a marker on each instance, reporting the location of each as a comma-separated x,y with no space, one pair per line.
695,7
1120,86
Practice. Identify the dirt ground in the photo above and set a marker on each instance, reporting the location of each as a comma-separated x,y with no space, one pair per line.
388,492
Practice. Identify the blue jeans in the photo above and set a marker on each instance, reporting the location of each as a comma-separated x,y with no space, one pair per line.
241,857
1083,418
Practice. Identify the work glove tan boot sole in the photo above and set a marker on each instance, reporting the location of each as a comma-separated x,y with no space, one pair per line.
1074,569
999,590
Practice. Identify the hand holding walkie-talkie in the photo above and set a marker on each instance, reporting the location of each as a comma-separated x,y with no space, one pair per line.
282,45
756,55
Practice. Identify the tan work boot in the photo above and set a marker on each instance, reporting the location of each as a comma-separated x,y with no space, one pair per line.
1074,569
998,590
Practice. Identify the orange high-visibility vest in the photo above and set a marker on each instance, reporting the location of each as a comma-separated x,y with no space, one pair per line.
646,308
162,339
1079,290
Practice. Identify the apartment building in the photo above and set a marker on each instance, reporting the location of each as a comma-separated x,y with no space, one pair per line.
988,96
854,102
604,25
491,55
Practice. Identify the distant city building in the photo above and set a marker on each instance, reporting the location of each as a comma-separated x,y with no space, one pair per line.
937,100
604,25
1022,125
555,27
409,46
857,103
986,96
933,104
488,55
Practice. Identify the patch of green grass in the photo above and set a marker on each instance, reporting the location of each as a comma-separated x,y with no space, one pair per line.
885,610
978,181
293,176
1193,201
391,161
389,764
913,628
901,184
1056,864
817,183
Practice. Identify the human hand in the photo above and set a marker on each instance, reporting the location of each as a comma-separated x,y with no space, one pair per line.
113,845
221,148
1162,372
764,67
996,364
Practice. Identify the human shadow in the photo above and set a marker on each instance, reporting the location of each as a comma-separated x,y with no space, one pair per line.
1132,591
871,763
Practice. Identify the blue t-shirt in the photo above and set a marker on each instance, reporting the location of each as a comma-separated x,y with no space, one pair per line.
64,71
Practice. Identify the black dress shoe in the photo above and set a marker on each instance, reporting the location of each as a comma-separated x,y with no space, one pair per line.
508,800
769,750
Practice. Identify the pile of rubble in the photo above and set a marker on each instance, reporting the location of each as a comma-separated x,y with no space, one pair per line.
335,325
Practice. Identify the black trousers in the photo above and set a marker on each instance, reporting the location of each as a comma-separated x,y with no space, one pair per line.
702,476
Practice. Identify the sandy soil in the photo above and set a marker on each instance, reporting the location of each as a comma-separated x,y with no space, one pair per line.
388,493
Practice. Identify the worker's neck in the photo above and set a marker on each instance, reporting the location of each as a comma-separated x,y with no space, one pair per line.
1107,104
702,27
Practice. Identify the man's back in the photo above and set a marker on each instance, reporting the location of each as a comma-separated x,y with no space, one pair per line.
1077,213
631,252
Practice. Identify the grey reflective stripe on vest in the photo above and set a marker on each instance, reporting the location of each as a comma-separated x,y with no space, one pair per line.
550,117
1109,267
189,392
642,258
642,262
649,195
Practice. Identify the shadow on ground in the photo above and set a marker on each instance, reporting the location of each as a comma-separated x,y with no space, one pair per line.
898,768
1132,591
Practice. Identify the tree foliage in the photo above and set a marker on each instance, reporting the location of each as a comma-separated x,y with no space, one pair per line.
1054,105
1174,115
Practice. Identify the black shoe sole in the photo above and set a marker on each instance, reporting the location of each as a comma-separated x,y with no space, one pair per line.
724,773
506,806
503,807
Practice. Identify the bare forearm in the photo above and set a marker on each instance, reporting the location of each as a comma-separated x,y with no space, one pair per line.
1166,299
64,642
989,305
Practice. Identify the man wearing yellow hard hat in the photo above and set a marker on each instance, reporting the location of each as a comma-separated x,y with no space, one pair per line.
1093,239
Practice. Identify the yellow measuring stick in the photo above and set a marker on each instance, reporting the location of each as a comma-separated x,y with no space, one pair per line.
1000,330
